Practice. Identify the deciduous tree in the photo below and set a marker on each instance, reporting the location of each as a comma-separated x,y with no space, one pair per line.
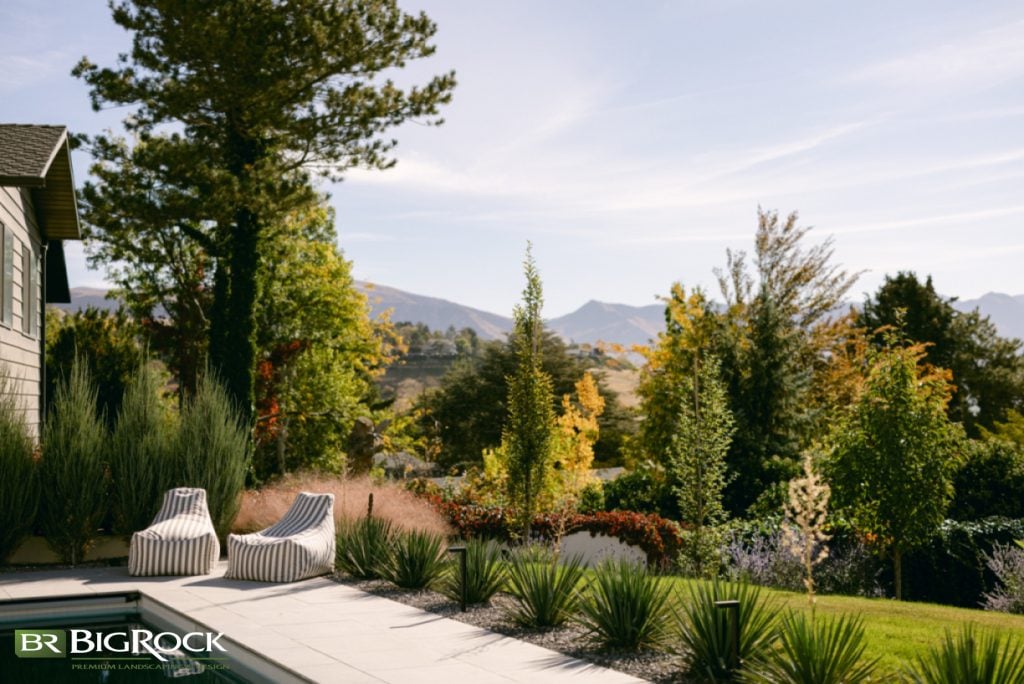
894,452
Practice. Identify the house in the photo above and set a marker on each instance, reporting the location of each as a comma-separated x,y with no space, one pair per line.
38,212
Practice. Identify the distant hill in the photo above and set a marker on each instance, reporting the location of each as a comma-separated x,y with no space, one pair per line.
437,314
84,297
591,323
619,323
1006,311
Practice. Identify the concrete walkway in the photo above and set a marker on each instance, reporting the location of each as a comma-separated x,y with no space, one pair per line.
329,632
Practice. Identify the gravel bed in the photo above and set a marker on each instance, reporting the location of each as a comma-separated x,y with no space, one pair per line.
571,639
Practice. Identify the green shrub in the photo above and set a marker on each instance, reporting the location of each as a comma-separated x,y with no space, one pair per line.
19,483
704,627
591,499
644,490
139,453
364,547
970,658
485,573
71,470
212,452
544,589
416,560
814,651
626,607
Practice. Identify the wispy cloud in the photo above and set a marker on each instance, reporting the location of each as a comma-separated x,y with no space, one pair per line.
980,59
19,70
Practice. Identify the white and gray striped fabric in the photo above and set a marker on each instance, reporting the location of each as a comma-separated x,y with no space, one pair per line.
298,546
181,540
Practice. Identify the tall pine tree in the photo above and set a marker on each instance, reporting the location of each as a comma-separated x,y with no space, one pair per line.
239,103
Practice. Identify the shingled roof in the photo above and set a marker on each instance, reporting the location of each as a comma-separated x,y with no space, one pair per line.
38,157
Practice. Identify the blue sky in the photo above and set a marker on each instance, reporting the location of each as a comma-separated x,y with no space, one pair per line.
632,142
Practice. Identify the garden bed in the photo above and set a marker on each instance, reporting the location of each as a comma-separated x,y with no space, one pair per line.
570,639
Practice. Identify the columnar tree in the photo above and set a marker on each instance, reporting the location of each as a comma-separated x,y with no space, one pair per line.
689,423
894,453
238,103
72,470
529,430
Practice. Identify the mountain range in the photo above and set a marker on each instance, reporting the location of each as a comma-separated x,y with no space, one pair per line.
593,322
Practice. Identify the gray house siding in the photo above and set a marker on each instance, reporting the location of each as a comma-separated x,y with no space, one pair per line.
20,350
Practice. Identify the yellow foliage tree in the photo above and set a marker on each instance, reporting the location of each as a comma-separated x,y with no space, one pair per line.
576,431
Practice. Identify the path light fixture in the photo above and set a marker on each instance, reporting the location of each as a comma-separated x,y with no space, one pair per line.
733,606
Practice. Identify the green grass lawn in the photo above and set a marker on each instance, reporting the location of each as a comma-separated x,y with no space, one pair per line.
896,632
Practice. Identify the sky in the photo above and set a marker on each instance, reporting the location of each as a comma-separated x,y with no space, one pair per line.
633,142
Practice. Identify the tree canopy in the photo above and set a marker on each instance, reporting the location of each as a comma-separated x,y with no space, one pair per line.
894,452
988,370
239,104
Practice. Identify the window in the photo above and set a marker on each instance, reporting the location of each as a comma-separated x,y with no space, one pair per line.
7,284
28,291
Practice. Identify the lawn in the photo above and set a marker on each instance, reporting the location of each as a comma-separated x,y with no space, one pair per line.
896,632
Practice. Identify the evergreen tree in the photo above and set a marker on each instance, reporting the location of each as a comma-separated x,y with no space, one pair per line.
529,430
258,95
774,329
697,462
988,370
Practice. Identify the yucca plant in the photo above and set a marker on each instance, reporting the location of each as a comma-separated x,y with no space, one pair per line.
545,590
212,452
19,482
485,573
416,560
704,632
140,453
364,546
814,651
970,658
71,470
626,607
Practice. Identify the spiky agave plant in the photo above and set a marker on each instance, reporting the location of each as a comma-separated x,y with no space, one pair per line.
704,631
485,573
626,607
415,560
545,591
364,546
970,658
814,650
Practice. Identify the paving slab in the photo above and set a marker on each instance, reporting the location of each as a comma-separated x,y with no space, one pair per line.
329,632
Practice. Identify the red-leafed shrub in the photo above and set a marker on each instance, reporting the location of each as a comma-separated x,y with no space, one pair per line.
659,538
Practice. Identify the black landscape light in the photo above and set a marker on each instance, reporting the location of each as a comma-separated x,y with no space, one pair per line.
733,606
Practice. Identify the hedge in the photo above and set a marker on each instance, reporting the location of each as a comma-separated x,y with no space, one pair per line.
659,538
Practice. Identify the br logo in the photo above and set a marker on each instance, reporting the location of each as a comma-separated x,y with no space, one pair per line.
39,643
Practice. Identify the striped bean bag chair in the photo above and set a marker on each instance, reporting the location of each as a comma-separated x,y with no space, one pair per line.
298,546
181,540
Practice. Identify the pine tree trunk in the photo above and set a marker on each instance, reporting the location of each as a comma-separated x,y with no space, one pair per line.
240,341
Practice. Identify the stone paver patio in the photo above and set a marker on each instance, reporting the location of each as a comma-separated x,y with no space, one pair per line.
329,632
